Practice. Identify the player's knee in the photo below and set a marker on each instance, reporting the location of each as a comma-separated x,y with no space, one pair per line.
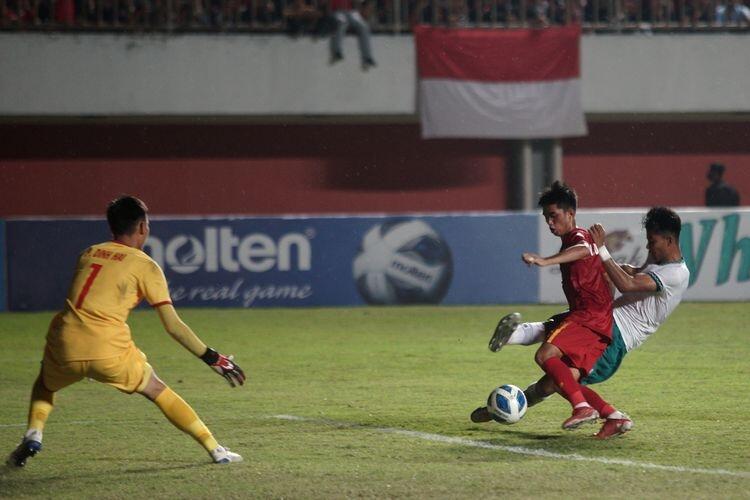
153,387
542,355
159,386
545,352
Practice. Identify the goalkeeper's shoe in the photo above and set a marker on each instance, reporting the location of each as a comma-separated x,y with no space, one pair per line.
480,415
28,448
614,427
503,331
221,455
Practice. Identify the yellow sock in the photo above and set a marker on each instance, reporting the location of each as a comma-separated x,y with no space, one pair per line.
184,418
41,405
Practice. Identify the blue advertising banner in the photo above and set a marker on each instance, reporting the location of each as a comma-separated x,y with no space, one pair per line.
3,261
41,257
297,261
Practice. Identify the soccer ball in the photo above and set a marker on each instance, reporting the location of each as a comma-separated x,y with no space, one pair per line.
403,262
507,404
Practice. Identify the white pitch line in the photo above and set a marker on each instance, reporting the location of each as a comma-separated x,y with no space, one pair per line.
439,438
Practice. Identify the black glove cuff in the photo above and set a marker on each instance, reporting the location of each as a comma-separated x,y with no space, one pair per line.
210,357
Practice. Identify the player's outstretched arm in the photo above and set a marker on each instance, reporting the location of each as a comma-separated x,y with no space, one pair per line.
570,254
625,280
182,333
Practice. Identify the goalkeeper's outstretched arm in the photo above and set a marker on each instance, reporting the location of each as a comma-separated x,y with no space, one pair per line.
182,333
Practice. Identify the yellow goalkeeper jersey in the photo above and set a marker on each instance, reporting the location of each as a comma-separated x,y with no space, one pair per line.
109,281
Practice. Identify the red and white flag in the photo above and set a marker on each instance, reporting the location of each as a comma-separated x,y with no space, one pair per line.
500,83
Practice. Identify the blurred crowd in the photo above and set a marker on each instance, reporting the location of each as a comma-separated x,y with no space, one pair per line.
316,16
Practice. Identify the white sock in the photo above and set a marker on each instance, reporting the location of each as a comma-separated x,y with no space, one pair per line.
527,334
33,435
582,405
616,414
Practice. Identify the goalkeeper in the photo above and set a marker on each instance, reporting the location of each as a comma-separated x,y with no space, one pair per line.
90,337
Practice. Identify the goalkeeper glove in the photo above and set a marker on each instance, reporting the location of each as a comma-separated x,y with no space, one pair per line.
224,366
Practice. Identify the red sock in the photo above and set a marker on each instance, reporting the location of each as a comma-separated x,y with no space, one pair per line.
605,409
560,373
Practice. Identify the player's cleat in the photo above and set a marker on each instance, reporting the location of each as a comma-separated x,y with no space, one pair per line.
614,427
222,455
503,331
28,448
480,415
582,415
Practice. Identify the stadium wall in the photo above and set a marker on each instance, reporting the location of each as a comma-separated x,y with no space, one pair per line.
246,169
253,169
337,261
53,74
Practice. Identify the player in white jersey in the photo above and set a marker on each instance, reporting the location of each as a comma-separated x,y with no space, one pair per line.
649,295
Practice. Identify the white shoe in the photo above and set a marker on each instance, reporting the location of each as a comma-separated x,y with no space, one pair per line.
222,455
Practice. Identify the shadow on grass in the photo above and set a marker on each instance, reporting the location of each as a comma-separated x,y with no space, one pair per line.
11,477
497,433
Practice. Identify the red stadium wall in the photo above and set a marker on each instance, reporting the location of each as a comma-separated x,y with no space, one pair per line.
645,164
274,169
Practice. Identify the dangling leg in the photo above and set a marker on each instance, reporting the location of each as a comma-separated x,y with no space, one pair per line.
363,37
337,37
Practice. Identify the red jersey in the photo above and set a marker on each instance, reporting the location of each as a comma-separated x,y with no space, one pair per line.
585,286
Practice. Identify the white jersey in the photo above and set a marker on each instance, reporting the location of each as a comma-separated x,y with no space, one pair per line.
639,314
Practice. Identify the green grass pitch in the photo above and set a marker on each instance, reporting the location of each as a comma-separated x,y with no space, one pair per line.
361,376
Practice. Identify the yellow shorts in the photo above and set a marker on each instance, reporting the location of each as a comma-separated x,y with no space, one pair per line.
128,372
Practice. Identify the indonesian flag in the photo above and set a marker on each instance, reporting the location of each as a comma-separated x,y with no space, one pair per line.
500,83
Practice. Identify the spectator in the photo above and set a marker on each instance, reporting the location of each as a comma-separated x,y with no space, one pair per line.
734,13
344,13
65,12
457,14
301,17
719,193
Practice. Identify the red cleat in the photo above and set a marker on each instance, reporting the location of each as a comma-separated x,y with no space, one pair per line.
582,415
614,427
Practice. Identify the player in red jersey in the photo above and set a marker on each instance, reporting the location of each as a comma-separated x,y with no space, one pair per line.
575,339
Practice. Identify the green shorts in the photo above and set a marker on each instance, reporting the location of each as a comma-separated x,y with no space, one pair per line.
609,361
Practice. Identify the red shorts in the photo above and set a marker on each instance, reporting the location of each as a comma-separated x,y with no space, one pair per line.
580,345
